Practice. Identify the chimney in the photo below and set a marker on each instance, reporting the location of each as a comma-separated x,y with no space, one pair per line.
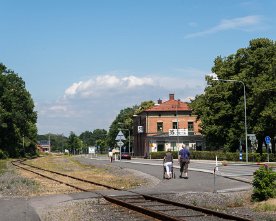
171,96
159,101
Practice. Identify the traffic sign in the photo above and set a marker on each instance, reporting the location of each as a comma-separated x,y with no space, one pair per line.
252,137
120,143
120,136
267,139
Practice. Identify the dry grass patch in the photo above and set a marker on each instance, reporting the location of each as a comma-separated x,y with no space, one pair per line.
266,206
104,175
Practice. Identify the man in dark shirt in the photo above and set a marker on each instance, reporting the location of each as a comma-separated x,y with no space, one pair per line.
184,160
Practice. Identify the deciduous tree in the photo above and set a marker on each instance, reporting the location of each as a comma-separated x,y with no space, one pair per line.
221,107
17,115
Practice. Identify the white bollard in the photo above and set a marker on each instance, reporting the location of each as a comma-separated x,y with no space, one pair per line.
216,163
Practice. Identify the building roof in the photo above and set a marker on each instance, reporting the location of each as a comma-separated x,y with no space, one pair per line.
170,105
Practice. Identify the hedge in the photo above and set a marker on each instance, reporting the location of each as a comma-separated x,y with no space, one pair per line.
221,156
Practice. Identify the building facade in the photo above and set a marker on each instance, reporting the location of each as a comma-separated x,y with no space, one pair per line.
167,125
44,146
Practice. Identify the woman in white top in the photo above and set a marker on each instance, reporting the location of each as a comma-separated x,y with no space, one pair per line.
168,161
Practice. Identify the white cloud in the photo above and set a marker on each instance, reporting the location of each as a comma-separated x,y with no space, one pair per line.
94,103
92,87
133,81
242,23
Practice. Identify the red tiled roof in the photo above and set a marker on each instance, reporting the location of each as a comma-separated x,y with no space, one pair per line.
170,105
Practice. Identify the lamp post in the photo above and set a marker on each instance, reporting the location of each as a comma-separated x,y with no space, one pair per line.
245,124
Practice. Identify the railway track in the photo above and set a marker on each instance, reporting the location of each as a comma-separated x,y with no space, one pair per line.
155,207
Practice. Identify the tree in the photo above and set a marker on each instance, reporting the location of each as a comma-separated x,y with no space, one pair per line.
74,143
92,138
221,107
124,120
17,115
144,106
87,138
99,138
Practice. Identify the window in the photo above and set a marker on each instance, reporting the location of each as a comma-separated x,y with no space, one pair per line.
190,126
160,147
173,146
159,126
174,125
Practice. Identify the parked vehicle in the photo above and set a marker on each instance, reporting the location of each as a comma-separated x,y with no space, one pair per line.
125,156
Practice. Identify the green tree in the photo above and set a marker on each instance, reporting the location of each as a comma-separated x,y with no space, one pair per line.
17,115
144,106
74,143
124,120
221,107
87,138
100,138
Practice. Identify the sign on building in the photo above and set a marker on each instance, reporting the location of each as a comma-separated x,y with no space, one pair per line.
140,129
178,132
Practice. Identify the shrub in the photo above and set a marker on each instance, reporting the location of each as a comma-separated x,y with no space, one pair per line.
264,183
221,156
3,154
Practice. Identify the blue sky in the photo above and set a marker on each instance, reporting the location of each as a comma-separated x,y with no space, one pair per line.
85,60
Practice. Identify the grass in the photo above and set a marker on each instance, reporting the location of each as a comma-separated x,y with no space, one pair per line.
3,166
105,175
266,206
12,184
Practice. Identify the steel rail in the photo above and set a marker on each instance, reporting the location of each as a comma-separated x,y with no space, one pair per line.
146,211
200,209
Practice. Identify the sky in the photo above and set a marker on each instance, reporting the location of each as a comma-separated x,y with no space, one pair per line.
83,61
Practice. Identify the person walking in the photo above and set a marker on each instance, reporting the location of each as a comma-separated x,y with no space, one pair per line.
184,160
168,162
110,154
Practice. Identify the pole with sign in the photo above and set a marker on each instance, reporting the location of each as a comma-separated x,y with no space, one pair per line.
267,141
120,136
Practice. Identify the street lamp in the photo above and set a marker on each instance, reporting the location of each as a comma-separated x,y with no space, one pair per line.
245,125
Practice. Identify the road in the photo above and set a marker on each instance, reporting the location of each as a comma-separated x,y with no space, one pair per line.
201,175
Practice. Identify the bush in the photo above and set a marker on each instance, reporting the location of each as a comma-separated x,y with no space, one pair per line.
264,183
3,154
221,156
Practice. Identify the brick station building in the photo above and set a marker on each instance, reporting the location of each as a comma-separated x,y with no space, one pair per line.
167,125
